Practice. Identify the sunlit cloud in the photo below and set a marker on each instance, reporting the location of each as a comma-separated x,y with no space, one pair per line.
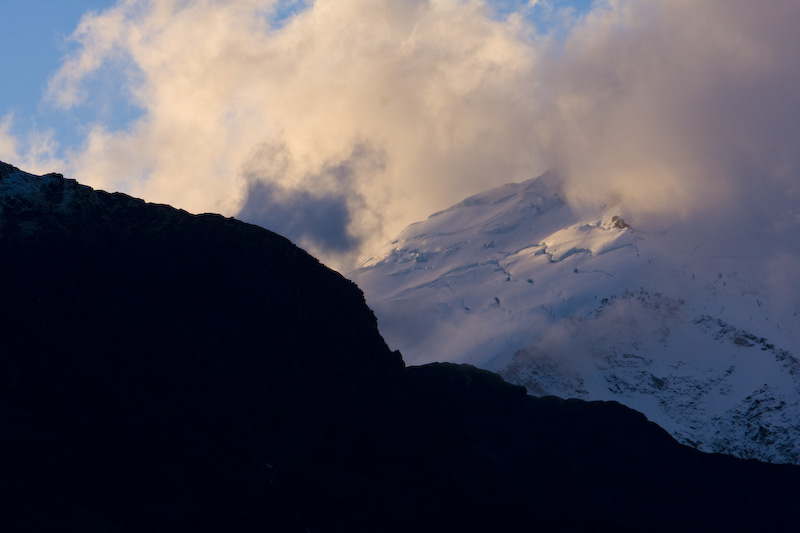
440,88
360,116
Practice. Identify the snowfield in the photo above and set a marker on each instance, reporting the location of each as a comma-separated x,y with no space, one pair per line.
696,327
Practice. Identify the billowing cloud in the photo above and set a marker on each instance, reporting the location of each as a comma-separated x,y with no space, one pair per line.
671,108
439,88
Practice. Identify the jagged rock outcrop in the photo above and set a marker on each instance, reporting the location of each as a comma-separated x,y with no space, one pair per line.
618,222
167,371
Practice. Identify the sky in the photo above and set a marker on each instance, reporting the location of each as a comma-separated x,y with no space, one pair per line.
339,122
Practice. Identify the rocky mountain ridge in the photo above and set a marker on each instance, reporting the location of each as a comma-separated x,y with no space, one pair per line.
165,371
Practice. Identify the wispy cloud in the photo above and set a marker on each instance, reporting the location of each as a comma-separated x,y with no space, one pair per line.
35,152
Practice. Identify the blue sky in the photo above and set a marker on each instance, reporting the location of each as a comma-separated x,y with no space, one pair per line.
33,42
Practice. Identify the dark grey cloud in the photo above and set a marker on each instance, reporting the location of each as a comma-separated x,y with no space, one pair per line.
301,216
317,210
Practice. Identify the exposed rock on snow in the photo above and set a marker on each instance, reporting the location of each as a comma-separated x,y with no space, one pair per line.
618,222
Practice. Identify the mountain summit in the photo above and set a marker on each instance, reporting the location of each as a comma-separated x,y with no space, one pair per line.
695,327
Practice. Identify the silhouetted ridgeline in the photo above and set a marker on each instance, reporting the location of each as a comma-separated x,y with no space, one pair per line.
168,371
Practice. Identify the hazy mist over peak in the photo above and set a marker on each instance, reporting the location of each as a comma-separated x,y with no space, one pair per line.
344,121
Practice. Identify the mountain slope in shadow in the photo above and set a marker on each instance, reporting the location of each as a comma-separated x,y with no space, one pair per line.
167,371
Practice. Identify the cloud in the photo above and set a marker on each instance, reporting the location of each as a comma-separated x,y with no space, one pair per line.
673,109
8,142
36,152
680,106
319,213
440,88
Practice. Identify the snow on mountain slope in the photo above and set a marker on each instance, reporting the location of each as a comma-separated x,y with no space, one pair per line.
701,336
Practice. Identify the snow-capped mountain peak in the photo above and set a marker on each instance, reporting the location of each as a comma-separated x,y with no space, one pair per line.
593,304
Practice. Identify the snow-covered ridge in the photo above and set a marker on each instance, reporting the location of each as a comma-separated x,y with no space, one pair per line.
702,339
49,189
28,193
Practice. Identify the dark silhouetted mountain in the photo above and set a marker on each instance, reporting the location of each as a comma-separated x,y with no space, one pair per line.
177,372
